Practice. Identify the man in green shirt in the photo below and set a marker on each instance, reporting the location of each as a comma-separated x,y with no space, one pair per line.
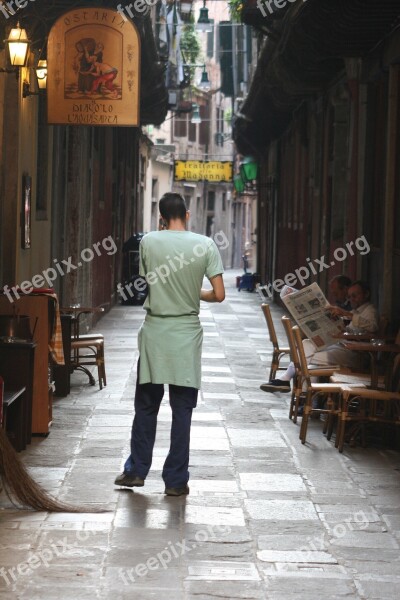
174,262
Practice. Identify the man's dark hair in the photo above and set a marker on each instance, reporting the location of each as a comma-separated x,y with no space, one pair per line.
363,285
342,280
172,206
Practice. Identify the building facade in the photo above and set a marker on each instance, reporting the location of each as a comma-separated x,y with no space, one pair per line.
87,183
322,117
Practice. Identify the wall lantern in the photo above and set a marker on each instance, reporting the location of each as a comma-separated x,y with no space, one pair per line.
195,114
18,45
204,23
41,78
18,50
41,74
248,169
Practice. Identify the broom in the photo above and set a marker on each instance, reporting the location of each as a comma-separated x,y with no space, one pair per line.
19,485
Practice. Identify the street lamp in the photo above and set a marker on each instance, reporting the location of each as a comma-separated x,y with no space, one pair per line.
204,23
204,81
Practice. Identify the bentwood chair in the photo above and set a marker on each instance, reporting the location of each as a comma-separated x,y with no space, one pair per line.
87,349
331,390
278,351
299,377
365,406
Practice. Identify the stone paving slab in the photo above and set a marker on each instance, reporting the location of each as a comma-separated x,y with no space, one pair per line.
266,519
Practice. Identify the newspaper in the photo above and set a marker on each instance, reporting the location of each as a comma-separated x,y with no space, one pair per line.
308,308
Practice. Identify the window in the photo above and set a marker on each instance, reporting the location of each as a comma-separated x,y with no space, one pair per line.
180,128
192,132
224,201
211,201
204,136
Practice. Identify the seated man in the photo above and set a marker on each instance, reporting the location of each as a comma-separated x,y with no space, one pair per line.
364,319
338,291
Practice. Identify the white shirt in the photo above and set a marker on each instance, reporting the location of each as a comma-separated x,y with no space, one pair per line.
365,319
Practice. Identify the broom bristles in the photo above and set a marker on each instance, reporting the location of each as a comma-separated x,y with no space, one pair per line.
20,486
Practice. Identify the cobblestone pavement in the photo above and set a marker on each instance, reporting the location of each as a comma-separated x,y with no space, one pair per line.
267,518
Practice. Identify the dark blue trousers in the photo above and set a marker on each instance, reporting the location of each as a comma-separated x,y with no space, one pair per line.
148,398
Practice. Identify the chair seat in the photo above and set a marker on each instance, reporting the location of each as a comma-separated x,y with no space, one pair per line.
325,387
355,378
333,387
320,372
89,336
373,394
81,343
94,355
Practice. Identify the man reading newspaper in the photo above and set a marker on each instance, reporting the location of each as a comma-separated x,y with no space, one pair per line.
322,323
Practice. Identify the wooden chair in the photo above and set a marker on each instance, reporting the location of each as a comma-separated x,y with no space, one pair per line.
93,343
298,380
93,354
278,352
331,390
364,406
87,349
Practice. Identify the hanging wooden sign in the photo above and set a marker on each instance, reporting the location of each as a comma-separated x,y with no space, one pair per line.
93,57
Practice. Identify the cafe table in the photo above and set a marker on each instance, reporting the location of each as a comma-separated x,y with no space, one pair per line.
374,349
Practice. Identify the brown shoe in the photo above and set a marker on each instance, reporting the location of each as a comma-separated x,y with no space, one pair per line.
129,480
183,491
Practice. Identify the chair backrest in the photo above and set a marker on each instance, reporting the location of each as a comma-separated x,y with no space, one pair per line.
270,324
300,350
294,356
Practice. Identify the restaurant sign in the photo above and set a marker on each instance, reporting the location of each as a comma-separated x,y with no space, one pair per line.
93,57
203,170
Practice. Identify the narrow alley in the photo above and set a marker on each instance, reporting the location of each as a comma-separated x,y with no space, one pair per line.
266,518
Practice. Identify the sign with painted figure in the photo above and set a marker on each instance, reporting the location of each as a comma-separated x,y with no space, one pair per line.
203,170
93,57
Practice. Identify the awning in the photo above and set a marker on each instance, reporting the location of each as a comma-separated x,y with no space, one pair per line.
307,49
